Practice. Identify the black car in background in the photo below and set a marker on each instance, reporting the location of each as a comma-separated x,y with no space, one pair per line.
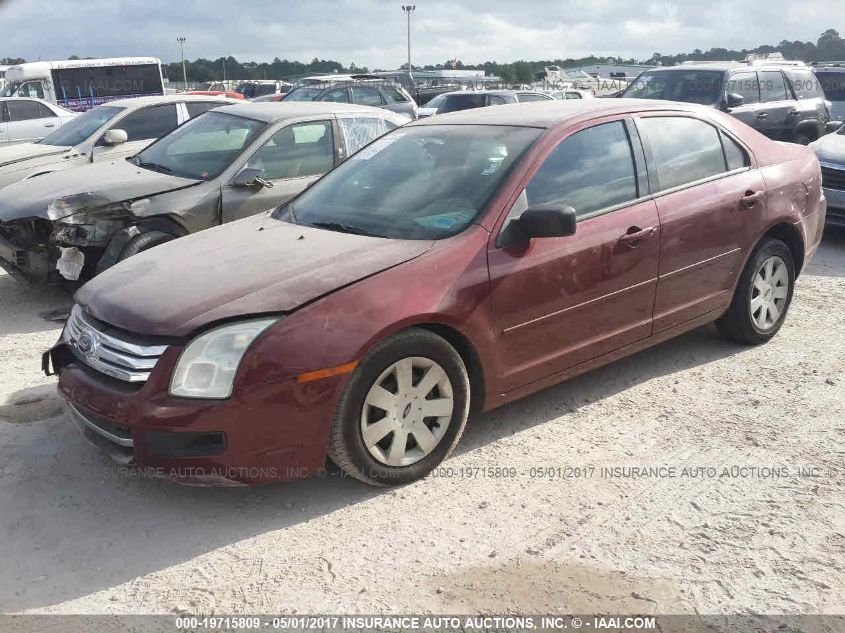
374,92
469,99
784,102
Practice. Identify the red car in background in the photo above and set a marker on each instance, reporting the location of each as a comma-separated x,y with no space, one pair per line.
455,264
216,93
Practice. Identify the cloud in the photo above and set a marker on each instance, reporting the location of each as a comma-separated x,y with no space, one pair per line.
372,32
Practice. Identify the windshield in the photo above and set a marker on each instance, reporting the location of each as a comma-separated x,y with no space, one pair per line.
426,182
201,148
80,128
303,94
10,89
691,86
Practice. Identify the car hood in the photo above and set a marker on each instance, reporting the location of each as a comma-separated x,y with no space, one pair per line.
25,151
85,187
830,148
254,266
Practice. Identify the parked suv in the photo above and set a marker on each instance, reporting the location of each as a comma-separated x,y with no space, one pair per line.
784,102
377,93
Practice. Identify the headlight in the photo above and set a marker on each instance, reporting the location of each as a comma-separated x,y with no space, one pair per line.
207,366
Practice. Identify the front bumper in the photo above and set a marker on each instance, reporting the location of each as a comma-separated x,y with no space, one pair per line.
265,433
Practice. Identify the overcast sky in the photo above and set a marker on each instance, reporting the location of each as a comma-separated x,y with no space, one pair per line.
372,32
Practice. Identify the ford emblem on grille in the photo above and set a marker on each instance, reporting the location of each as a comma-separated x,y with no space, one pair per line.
87,344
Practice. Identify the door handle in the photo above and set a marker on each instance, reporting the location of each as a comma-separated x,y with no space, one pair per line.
761,115
49,125
636,234
750,199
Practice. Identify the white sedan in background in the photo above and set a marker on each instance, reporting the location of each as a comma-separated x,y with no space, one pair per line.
29,120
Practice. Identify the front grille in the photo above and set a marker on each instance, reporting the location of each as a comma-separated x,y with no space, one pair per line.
833,177
114,354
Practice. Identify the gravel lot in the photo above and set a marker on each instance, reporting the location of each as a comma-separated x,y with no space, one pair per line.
80,537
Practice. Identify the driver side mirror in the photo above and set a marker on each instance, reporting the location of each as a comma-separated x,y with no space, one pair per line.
734,100
538,221
251,177
115,137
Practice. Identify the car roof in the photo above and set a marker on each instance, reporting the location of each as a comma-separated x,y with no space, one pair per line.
140,102
550,113
276,111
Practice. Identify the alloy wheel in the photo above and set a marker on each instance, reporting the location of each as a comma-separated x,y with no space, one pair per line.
769,293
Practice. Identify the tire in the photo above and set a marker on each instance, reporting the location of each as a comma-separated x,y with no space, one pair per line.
801,138
403,416
745,321
144,242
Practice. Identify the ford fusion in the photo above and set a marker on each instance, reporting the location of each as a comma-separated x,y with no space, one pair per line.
451,266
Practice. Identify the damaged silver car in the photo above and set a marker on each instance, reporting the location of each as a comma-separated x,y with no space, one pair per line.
223,165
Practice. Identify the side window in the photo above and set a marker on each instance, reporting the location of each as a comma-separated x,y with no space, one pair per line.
525,98
573,95
735,155
149,123
395,94
683,149
23,110
805,84
46,112
592,169
495,100
197,108
746,86
31,89
772,86
336,95
366,95
304,149
361,130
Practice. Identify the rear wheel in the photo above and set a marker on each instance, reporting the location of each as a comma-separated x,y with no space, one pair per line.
763,295
403,410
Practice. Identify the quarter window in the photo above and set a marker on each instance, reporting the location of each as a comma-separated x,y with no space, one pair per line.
746,86
306,149
592,169
148,123
735,156
772,86
805,84
683,149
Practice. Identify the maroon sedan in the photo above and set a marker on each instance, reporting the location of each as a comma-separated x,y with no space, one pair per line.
454,265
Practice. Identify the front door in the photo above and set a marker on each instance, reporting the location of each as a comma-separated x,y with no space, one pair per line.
705,190
559,302
745,84
291,159
28,121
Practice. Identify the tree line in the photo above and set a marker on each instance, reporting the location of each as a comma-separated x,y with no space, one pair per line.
828,47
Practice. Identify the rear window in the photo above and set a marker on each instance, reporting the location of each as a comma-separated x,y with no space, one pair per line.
804,84
833,84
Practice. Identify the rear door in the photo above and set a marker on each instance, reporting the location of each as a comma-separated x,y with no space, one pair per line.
559,302
706,192
291,159
778,105
27,121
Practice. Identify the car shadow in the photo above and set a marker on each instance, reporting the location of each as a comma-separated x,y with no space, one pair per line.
74,523
22,306
829,260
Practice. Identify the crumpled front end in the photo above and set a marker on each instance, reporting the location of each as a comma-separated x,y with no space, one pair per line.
68,244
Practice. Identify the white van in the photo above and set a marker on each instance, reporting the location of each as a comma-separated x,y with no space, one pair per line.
81,84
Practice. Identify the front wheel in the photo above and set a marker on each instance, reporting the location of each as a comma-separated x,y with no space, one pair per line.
763,295
403,411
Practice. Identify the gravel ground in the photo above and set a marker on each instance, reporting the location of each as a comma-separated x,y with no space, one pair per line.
80,537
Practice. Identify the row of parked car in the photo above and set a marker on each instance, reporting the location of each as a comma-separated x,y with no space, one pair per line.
272,284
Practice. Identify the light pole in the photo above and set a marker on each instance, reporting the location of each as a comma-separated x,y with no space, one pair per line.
182,41
408,8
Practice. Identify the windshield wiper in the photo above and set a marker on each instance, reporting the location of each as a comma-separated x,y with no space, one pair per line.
343,228
154,167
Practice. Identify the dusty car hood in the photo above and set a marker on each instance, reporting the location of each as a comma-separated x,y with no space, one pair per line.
115,182
830,148
25,151
253,266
